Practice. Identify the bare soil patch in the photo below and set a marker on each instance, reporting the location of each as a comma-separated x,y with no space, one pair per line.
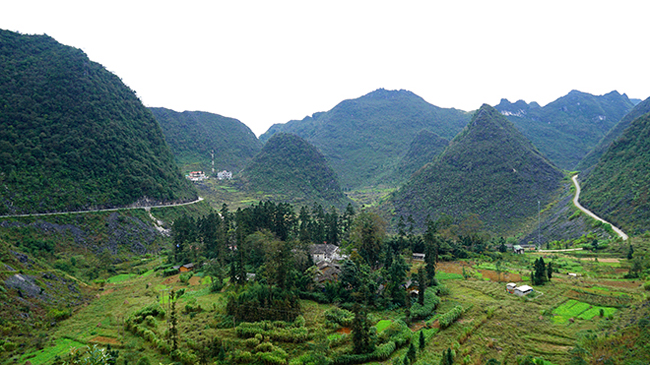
452,267
105,340
417,326
608,260
624,284
195,280
504,277
344,330
172,279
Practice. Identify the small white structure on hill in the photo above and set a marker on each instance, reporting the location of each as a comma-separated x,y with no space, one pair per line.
523,290
224,175
326,252
512,288
196,176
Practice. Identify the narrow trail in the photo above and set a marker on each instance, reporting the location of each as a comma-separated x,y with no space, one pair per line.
102,210
589,213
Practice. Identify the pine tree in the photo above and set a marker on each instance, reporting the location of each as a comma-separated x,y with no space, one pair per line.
411,354
422,340
361,340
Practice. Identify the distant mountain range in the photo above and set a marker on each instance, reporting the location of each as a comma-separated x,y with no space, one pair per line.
365,139
489,169
568,128
74,136
193,137
292,170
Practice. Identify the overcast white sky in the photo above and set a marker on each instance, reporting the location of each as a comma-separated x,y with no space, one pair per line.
266,62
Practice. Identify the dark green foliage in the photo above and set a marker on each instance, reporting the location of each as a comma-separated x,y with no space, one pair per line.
293,170
447,357
364,139
618,187
193,136
260,302
490,169
74,136
362,340
539,275
431,301
566,129
411,353
594,155
422,341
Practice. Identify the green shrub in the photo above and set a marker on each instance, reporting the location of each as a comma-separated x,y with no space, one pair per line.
185,277
251,342
169,272
431,301
450,317
646,286
339,316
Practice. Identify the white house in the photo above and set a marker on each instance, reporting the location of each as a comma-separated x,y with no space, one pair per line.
523,290
326,252
224,175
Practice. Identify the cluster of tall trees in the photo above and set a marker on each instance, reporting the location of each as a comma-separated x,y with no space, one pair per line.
269,244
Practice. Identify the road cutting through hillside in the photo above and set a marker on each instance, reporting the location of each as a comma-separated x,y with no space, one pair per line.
589,213
104,210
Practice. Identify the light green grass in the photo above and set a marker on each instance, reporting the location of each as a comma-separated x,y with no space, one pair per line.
383,324
120,278
46,356
595,311
441,275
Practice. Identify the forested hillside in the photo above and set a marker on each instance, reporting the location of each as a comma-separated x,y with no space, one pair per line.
566,129
423,149
592,157
292,170
619,185
489,169
73,135
193,135
363,139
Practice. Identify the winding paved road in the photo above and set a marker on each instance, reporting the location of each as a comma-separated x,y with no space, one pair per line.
102,210
589,213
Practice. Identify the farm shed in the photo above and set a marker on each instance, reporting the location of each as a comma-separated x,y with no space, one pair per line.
523,290
511,287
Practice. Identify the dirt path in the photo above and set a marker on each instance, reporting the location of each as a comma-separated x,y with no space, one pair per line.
589,213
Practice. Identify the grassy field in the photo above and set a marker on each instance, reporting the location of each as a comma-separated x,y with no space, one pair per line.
494,323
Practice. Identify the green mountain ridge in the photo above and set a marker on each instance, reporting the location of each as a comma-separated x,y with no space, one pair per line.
74,136
292,170
364,139
193,135
568,128
489,169
618,187
592,157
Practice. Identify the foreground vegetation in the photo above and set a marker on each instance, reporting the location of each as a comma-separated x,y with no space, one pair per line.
148,312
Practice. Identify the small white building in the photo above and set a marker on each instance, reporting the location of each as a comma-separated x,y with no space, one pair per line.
523,290
196,176
511,288
224,175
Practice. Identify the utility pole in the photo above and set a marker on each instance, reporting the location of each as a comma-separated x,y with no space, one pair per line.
539,226
212,162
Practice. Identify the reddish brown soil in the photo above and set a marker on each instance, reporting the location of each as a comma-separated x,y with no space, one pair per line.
623,284
172,279
417,326
105,340
344,331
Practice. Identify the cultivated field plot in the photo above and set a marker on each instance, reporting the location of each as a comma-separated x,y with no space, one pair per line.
575,309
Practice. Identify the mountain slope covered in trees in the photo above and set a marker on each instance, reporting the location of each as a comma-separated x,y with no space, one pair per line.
618,187
73,135
489,169
363,139
592,157
422,150
193,135
292,170
566,129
